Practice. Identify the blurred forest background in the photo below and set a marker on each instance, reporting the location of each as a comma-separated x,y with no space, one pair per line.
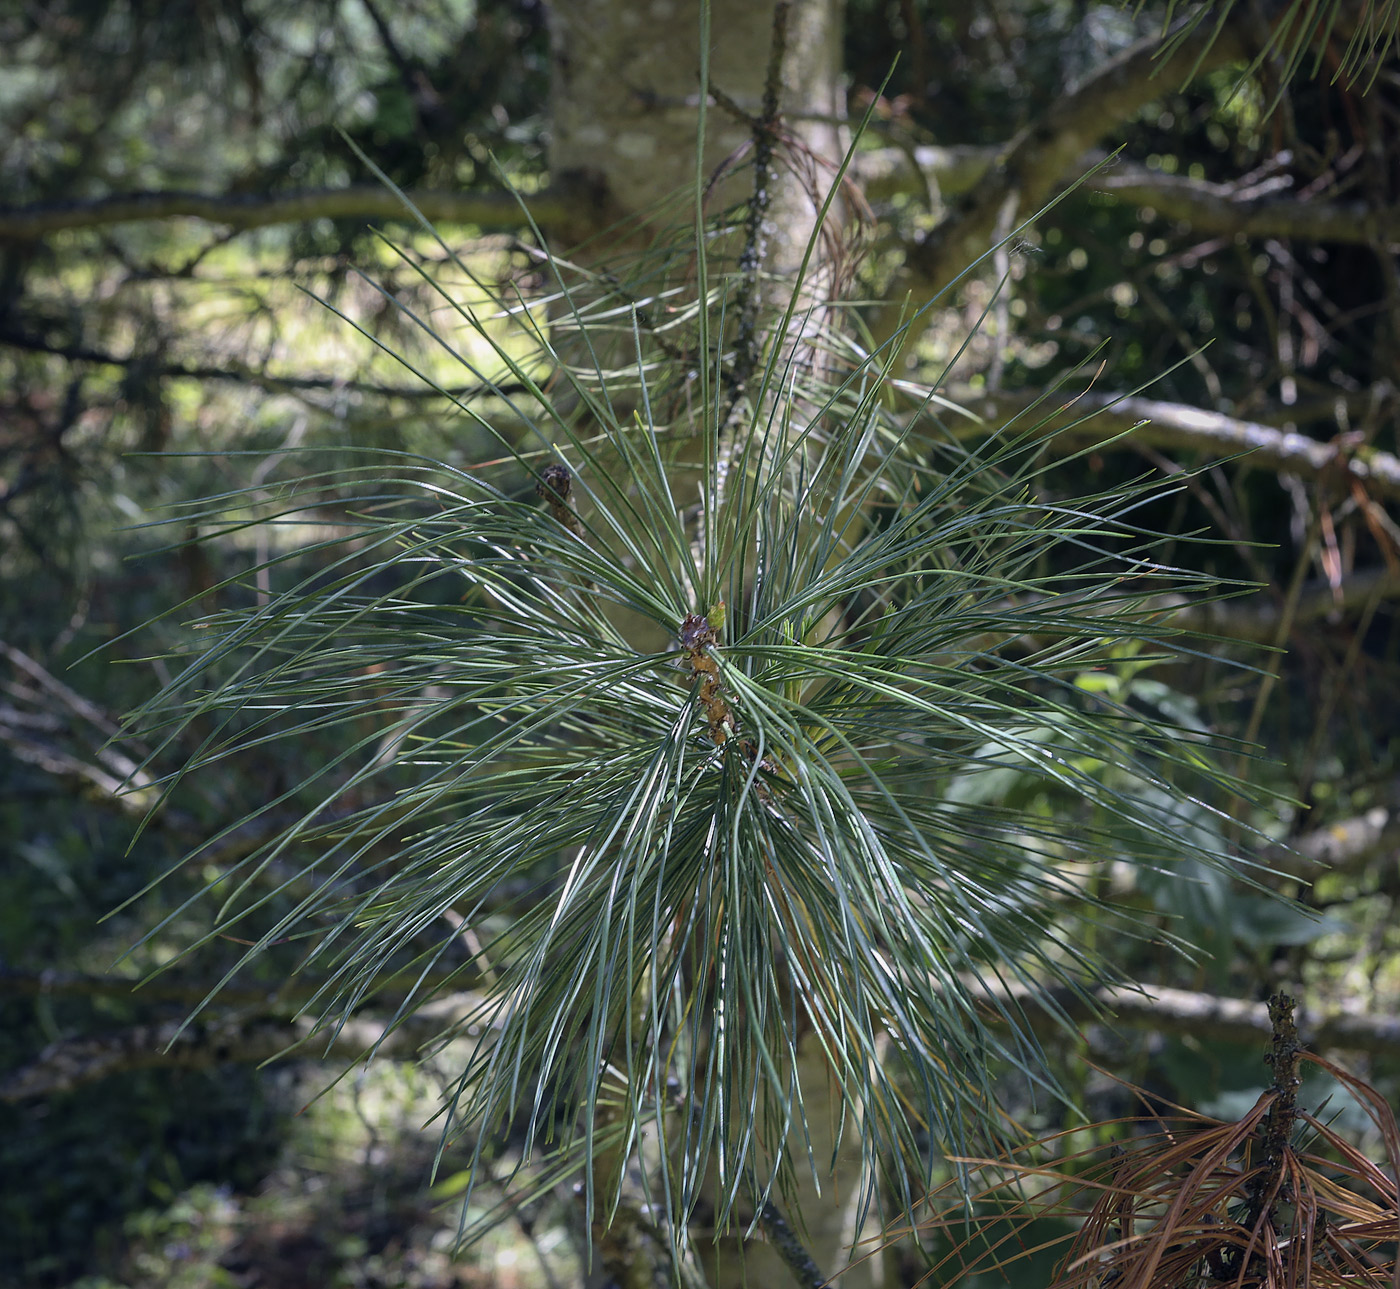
182,199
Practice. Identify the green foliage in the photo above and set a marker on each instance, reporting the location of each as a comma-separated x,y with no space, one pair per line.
149,1135
679,869
1302,25
429,94
381,697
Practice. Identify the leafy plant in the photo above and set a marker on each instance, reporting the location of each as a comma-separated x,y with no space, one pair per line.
657,740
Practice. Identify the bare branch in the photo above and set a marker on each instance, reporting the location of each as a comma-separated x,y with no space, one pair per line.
496,210
1217,208
241,374
1152,423
1038,160
240,1037
253,1039
1055,150
1183,1011
1207,207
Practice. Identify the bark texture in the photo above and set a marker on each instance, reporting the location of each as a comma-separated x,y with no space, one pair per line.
626,101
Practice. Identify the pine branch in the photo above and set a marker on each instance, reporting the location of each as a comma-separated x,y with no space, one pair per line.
792,1251
1152,423
1184,1011
1208,207
493,210
237,1037
237,373
248,1037
1219,208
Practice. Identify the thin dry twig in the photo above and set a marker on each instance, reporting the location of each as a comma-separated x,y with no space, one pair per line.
1180,1198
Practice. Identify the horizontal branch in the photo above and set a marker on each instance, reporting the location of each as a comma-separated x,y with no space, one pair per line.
1184,1011
166,988
1206,207
1217,208
286,999
1095,418
251,1036
1113,421
241,374
1257,619
1056,150
246,1039
262,210
883,173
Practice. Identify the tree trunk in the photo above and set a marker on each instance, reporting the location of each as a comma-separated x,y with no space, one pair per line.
625,106
625,103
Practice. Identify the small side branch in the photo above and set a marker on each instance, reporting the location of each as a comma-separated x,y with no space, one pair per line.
1038,160
244,211
1267,1184
1207,207
792,1251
